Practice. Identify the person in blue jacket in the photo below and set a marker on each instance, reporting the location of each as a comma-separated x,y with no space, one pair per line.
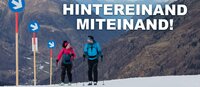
92,51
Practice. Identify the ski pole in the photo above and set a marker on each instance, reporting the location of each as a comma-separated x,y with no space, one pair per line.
75,76
57,69
83,73
102,72
83,80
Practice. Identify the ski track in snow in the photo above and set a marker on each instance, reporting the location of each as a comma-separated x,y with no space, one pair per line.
162,81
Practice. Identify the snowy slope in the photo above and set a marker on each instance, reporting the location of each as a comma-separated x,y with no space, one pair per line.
164,81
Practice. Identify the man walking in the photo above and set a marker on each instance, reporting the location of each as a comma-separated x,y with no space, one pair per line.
92,51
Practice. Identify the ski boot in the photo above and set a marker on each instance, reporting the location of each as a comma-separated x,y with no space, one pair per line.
69,84
90,83
95,83
62,84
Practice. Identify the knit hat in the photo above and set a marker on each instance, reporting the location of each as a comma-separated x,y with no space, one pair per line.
91,38
65,43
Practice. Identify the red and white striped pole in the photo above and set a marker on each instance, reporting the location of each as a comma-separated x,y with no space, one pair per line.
51,57
16,6
16,46
51,45
34,58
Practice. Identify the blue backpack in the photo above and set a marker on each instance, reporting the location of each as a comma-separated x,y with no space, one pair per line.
92,50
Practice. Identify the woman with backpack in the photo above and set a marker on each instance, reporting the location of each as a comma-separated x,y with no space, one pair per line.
66,55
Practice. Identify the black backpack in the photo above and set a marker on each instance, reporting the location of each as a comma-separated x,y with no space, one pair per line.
66,59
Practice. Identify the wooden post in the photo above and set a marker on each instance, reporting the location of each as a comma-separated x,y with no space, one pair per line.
34,59
16,48
51,54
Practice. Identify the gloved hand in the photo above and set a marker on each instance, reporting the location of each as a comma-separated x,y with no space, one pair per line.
101,58
84,56
72,55
57,62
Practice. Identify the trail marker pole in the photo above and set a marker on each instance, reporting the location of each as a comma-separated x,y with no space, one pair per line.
51,45
16,48
34,59
16,6
34,27
51,54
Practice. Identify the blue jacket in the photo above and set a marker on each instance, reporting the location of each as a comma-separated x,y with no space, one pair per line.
93,51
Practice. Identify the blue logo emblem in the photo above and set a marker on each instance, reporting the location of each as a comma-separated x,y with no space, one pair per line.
34,26
51,44
16,5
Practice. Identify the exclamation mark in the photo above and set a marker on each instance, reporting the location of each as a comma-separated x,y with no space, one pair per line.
171,21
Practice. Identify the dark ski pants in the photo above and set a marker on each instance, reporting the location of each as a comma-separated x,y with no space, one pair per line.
67,67
93,71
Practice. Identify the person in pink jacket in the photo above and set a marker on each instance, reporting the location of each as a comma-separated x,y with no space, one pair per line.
66,55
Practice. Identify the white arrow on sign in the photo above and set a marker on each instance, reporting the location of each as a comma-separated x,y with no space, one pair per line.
17,4
34,26
51,44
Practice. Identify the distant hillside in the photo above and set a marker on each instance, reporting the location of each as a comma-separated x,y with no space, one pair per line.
157,53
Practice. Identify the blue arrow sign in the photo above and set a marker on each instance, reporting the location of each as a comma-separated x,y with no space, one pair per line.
51,44
16,5
34,26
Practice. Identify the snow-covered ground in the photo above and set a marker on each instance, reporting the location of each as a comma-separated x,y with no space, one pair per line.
164,81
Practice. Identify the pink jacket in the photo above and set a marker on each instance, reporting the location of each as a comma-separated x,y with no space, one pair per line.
67,51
